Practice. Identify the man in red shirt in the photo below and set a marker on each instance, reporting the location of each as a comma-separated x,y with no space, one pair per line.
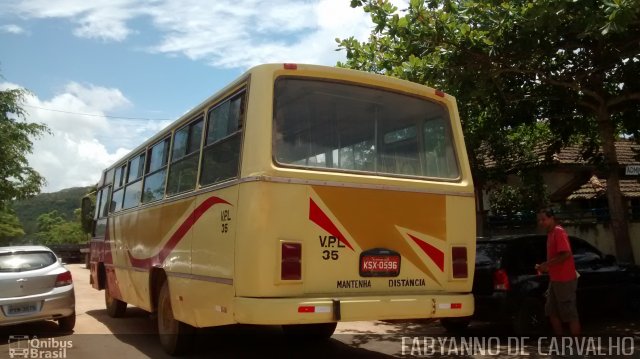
561,296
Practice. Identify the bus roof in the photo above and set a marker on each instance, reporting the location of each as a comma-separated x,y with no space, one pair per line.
308,69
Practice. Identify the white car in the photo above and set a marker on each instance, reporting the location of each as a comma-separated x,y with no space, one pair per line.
35,286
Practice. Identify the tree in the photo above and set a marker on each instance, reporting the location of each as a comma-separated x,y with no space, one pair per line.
10,228
17,179
570,65
47,221
54,229
66,233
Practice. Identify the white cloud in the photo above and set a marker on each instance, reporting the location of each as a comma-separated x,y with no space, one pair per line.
224,33
101,19
101,98
278,31
80,146
107,25
12,29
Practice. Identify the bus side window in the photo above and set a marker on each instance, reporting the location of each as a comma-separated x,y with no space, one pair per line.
133,191
118,191
221,156
184,158
156,171
99,200
102,210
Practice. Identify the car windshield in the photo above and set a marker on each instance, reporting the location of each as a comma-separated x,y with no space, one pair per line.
25,261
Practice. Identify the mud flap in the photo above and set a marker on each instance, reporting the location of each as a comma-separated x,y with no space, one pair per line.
337,316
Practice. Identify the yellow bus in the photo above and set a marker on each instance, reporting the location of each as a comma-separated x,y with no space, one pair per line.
298,195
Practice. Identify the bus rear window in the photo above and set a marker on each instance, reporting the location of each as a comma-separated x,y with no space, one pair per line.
338,126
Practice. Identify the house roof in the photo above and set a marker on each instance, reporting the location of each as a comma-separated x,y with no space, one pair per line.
626,150
630,188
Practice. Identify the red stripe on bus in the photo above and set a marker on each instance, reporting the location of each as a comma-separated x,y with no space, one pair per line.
177,236
434,253
321,219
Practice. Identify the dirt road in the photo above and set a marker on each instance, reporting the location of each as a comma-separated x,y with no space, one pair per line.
98,336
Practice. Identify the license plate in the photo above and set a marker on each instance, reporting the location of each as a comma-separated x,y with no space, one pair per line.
22,309
379,265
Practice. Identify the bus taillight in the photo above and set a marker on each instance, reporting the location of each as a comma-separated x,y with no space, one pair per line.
290,66
291,265
459,262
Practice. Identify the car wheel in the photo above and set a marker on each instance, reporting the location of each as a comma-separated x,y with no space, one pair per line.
175,336
455,325
319,331
67,324
530,318
633,304
115,307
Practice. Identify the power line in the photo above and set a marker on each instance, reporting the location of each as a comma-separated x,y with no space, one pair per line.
97,115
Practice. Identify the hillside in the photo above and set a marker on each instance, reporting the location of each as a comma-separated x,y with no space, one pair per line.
64,201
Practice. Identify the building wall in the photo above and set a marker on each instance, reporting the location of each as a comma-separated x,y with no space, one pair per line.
556,180
601,236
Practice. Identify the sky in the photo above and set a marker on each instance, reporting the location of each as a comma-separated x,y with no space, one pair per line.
105,75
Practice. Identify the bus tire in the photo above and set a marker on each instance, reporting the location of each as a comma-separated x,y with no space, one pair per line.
175,337
67,324
319,331
115,307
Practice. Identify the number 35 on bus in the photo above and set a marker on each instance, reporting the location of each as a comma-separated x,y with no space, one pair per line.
298,195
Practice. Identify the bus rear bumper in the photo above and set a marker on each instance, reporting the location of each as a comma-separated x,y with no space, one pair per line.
274,311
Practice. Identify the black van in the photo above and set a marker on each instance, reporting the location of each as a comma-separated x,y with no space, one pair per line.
508,289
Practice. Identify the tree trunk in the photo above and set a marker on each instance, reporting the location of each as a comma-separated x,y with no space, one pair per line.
480,213
617,203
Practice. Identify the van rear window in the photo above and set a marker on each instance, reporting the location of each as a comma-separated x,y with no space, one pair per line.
489,253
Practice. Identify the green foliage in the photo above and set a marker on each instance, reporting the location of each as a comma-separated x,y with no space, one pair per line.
65,202
505,201
522,201
54,229
10,228
49,220
17,179
568,65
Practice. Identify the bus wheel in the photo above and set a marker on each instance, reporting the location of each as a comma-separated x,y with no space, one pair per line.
320,331
115,307
175,336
